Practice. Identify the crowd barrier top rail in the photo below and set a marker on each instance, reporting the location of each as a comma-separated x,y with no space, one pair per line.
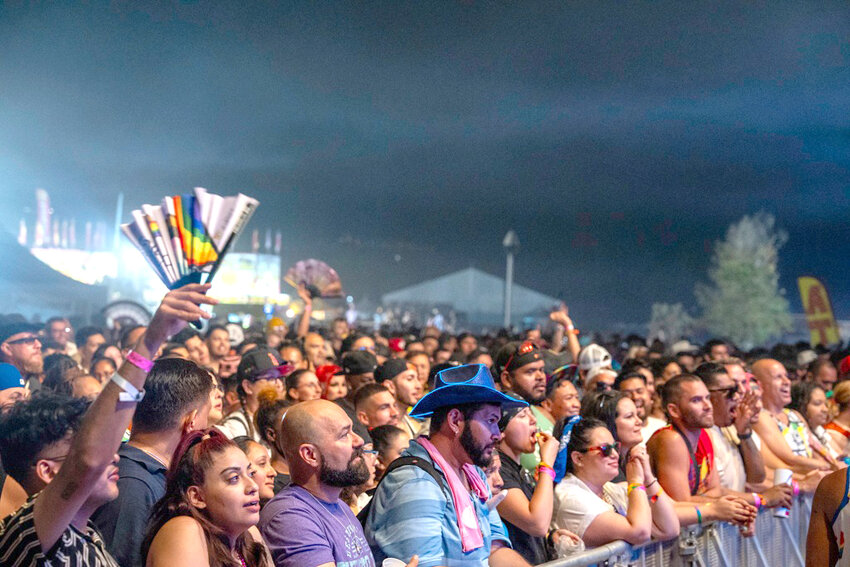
777,541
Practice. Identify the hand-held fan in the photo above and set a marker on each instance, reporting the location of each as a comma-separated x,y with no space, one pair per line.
186,237
320,279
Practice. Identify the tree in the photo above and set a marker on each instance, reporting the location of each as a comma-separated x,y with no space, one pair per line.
744,302
669,323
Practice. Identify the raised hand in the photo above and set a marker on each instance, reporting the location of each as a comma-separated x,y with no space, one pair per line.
178,307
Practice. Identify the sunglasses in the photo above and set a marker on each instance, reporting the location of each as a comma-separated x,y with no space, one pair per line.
730,391
23,341
525,348
605,450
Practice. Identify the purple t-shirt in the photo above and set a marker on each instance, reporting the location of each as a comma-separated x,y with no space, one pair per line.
304,531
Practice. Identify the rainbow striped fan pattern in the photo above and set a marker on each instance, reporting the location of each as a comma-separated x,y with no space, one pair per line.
186,237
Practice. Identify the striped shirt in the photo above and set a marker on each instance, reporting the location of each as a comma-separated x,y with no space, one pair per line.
411,515
19,545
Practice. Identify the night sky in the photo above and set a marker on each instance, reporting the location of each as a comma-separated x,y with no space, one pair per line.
400,141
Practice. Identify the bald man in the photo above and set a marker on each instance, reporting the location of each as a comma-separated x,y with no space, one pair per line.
306,523
784,432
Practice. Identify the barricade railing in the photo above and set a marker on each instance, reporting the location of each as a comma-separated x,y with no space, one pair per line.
777,542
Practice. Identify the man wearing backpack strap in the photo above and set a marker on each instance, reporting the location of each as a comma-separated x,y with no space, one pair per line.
446,523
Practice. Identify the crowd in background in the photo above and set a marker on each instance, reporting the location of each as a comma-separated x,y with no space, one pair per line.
161,445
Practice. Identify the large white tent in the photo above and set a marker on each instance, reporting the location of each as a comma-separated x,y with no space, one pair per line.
476,297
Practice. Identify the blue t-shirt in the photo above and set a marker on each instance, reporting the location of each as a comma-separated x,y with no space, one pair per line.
411,515
304,531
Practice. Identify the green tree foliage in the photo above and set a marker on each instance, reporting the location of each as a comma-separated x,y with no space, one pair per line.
744,302
669,323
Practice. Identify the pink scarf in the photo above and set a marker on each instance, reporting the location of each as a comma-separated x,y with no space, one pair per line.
467,520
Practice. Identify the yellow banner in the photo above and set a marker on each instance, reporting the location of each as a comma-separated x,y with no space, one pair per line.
819,315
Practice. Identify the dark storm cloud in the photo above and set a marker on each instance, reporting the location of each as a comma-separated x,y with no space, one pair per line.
617,139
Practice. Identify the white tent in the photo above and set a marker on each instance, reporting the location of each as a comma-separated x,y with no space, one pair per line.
475,296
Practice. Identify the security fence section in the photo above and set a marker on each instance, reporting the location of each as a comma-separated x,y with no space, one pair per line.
778,541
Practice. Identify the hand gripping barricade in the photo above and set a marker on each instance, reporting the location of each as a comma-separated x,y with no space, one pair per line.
777,541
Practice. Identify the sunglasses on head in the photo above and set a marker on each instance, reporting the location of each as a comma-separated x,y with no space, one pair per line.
730,390
606,450
525,348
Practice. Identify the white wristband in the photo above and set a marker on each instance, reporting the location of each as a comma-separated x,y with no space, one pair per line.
130,393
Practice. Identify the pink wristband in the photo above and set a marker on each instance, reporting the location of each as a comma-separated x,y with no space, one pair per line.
139,361
796,487
756,500
548,470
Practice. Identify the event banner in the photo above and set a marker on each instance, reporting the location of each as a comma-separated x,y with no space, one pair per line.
818,309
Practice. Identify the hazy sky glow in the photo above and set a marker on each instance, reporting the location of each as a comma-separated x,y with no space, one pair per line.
400,141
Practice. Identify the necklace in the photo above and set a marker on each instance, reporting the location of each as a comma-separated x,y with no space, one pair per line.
344,527
241,558
153,455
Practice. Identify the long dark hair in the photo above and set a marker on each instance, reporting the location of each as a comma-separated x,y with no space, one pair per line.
580,438
603,406
192,459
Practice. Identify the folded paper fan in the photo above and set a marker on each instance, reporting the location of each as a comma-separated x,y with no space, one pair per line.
320,279
186,237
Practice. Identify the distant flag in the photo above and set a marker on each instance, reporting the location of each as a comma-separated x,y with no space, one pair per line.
55,241
819,316
255,241
88,235
268,246
278,242
22,233
72,234
64,234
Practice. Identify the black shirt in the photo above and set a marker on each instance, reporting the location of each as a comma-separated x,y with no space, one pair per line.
124,520
533,549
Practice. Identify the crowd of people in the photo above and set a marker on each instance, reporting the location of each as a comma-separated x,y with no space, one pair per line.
158,445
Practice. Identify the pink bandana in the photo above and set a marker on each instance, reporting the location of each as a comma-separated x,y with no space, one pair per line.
467,520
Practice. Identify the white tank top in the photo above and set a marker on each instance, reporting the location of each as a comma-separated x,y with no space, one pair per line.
841,524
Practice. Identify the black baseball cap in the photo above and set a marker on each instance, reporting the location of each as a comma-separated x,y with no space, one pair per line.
262,363
390,369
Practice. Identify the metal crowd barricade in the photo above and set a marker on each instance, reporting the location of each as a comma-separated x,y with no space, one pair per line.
777,541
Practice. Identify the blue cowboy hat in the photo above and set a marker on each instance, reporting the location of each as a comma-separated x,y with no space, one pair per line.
468,384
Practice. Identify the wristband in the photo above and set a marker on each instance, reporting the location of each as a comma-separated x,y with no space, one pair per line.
796,487
654,498
130,393
699,515
635,486
654,480
745,436
544,464
139,361
757,500
549,471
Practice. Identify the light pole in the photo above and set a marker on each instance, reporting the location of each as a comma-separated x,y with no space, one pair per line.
511,246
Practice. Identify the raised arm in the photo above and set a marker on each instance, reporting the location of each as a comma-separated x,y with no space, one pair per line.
94,445
533,516
304,322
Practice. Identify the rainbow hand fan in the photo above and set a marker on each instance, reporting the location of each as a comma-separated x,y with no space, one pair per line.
185,238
